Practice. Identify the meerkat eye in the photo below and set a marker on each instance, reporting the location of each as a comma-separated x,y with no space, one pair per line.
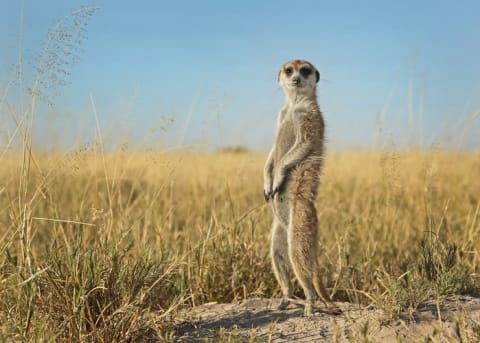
305,71
288,71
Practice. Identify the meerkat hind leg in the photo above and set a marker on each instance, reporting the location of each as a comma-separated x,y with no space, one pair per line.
303,230
281,263
306,282
301,258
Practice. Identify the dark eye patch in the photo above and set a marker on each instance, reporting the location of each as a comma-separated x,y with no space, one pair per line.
305,71
288,71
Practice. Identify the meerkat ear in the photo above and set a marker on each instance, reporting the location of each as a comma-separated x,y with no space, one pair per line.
317,74
278,77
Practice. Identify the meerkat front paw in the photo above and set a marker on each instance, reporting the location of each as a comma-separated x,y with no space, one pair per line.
267,187
277,183
267,194
267,190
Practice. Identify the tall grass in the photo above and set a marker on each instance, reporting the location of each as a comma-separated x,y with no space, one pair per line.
113,258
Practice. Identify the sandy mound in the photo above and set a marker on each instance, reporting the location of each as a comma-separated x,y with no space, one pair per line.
458,320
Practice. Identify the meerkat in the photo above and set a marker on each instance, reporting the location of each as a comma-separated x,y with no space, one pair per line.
291,177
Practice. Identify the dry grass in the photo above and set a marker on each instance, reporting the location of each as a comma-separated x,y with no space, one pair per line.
100,249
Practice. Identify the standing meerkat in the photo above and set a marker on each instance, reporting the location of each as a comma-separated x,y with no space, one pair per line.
291,176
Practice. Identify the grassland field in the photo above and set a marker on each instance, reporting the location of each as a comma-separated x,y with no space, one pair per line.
106,248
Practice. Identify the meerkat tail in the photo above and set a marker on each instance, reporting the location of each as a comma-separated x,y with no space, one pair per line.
321,291
324,297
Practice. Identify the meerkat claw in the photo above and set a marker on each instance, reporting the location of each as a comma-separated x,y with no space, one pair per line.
266,195
275,191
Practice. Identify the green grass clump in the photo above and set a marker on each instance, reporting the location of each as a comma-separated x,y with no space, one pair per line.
96,294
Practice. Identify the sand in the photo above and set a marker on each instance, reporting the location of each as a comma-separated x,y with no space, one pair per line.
455,319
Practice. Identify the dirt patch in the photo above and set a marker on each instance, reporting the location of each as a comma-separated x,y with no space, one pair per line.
257,319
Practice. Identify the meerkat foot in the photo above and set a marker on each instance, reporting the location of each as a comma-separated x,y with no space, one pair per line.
283,304
308,312
334,310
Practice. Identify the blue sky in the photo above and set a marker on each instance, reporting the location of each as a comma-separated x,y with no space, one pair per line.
409,70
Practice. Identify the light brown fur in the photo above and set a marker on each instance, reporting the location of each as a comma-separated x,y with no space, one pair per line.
291,176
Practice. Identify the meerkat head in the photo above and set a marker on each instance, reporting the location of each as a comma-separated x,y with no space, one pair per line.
298,76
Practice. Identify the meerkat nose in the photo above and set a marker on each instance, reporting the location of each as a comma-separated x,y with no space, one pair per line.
296,80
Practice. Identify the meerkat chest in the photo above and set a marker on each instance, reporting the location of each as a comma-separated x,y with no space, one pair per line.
285,138
288,130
